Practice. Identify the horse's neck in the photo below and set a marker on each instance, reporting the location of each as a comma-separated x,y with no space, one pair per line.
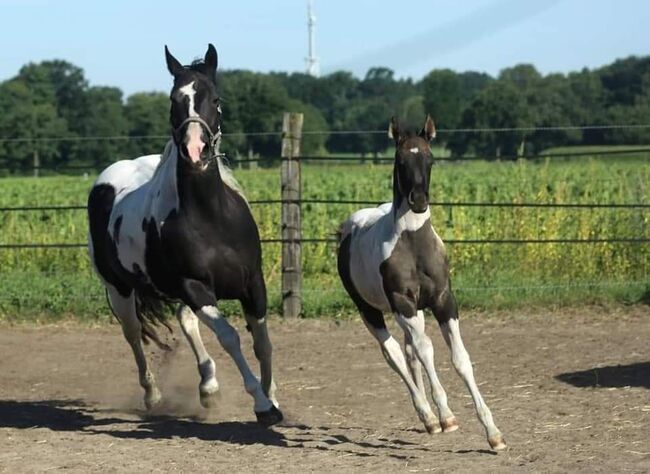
201,190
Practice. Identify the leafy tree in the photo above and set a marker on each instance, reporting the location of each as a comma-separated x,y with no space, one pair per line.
313,121
254,103
26,117
104,117
499,105
443,97
147,114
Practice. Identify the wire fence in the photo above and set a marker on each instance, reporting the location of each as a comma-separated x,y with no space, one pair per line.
531,128
94,167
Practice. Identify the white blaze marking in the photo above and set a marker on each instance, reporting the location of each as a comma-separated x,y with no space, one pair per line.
193,138
414,150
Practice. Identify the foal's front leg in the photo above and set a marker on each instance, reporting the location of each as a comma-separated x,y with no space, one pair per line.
413,327
393,354
208,387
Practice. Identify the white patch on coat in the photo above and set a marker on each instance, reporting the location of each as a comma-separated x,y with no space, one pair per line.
145,188
374,234
414,150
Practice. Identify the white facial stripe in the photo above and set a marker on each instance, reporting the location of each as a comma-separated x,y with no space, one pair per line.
194,132
414,150
188,91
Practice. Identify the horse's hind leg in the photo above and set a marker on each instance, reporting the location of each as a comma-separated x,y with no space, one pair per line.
255,311
446,313
208,387
124,309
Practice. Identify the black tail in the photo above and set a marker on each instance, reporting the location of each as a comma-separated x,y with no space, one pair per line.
153,311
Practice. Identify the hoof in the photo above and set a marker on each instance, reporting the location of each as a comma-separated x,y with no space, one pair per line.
208,394
497,442
270,417
153,400
208,400
449,425
432,425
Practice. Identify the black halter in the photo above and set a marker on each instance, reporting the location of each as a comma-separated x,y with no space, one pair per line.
215,138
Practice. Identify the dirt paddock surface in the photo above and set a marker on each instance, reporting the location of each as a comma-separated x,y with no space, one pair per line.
570,390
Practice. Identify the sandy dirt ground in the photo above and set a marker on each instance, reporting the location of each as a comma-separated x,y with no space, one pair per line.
569,388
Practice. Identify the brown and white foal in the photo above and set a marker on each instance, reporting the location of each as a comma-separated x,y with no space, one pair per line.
390,259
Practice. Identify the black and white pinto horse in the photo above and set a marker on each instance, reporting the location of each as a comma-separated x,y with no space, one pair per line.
390,259
176,227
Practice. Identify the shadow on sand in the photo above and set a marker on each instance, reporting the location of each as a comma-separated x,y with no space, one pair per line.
631,375
75,415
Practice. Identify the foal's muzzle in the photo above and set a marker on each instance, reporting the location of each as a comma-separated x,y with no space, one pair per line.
418,201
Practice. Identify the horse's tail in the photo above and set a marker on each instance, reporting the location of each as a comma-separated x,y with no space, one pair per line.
153,311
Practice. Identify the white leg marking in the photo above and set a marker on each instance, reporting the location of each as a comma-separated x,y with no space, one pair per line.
414,327
229,339
263,351
393,354
207,369
462,363
124,308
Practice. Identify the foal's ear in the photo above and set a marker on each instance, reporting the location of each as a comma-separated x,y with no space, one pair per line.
393,129
174,67
429,130
211,60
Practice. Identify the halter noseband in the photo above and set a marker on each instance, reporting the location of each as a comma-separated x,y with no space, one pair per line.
213,145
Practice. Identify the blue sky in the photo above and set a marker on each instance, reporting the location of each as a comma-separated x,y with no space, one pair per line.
120,42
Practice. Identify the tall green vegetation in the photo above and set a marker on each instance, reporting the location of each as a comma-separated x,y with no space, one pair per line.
58,281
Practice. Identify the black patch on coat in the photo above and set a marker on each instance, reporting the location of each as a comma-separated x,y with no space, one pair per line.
372,315
416,276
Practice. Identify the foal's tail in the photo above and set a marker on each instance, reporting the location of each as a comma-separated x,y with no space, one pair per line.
153,311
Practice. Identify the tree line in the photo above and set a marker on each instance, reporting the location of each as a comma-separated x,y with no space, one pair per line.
54,99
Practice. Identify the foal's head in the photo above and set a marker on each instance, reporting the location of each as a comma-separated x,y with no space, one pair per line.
195,112
413,161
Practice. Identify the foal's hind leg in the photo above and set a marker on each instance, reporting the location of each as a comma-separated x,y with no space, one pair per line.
124,309
446,313
392,352
208,386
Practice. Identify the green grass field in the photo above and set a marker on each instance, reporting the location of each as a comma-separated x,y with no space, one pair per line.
50,283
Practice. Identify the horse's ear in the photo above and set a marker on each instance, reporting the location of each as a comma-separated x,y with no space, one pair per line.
211,59
393,129
174,67
429,130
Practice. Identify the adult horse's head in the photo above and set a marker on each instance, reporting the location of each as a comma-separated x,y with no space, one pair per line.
195,111
413,161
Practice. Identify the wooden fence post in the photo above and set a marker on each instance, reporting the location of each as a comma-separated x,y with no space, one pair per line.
291,223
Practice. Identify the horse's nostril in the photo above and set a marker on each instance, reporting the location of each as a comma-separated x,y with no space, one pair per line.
410,198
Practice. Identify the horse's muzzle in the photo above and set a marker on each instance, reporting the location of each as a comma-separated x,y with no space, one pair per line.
418,201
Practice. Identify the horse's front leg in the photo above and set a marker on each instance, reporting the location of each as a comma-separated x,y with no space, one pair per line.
208,387
203,302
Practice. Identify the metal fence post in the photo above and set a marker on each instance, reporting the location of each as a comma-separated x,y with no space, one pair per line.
291,223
